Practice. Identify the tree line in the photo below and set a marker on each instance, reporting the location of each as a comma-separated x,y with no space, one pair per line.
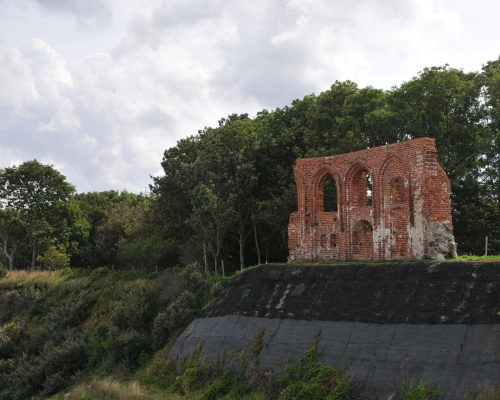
228,191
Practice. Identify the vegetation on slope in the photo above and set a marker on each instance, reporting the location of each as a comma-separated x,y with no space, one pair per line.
57,328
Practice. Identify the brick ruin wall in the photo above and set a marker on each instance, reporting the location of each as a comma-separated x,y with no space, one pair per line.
393,202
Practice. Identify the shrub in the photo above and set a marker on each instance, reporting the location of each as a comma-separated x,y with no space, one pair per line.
50,371
37,340
195,373
9,306
160,372
258,343
169,285
33,301
216,288
61,362
135,308
193,280
98,273
411,392
3,271
132,345
311,379
219,387
109,348
161,331
6,346
68,313
182,311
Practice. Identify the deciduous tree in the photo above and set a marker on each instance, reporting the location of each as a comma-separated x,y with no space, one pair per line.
35,190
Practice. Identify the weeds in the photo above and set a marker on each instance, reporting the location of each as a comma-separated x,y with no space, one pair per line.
311,379
411,392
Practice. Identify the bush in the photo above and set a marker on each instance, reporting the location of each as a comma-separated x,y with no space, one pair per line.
193,280
9,306
219,387
135,308
117,348
160,372
169,285
98,273
161,331
182,311
195,373
3,271
70,312
61,362
412,392
133,345
33,301
49,372
311,379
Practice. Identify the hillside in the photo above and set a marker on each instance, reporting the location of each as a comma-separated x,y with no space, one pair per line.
105,334
58,329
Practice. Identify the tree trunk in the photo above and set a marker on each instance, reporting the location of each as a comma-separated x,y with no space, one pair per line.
242,245
205,257
257,244
33,257
10,256
217,249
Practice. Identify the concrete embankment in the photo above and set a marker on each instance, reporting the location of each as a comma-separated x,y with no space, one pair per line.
435,321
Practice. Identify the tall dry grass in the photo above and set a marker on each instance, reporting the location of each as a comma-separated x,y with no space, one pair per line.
112,389
64,278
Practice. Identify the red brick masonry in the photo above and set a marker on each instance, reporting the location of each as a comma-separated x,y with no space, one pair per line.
408,214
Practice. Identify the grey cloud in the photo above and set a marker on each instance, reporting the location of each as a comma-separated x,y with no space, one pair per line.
155,118
86,12
185,12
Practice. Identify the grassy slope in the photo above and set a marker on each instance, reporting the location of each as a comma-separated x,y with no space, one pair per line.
59,328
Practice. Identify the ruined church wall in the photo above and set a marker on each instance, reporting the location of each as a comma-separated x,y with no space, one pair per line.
408,215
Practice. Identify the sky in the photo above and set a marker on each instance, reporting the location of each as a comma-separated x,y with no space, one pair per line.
101,88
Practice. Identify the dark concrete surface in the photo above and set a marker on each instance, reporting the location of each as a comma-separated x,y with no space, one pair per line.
435,321
413,293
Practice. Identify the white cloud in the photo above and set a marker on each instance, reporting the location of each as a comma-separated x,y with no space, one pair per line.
177,66
16,81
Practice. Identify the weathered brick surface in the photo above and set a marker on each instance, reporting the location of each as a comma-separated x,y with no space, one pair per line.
408,215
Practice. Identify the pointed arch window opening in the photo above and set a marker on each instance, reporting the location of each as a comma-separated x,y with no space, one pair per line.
330,195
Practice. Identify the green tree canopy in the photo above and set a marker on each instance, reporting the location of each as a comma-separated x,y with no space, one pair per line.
36,191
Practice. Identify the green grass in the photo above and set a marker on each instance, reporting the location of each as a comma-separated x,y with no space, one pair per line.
466,258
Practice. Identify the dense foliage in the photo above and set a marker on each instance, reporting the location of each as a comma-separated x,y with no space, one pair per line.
227,192
56,328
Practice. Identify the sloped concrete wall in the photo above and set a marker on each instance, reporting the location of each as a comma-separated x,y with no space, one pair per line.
439,322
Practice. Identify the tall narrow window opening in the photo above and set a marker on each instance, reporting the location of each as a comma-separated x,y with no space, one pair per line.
330,195
362,187
368,189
